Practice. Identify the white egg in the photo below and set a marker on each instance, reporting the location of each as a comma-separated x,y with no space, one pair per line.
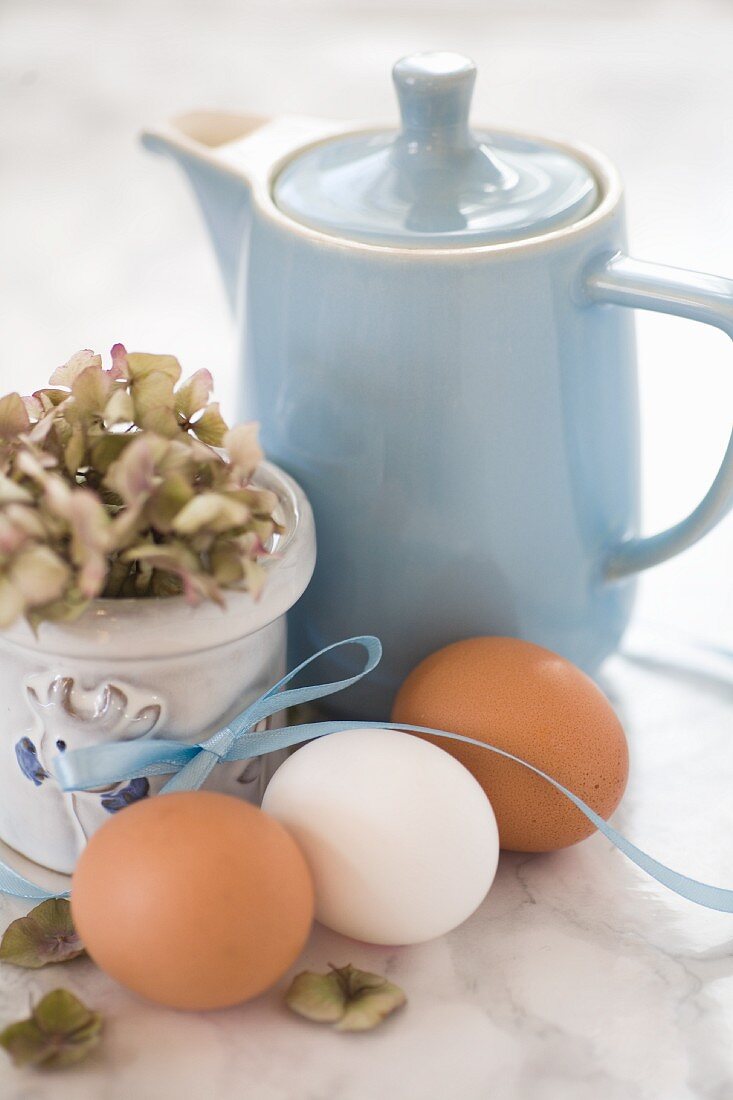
401,840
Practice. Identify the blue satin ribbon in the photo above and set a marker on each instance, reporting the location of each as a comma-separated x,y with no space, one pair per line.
190,766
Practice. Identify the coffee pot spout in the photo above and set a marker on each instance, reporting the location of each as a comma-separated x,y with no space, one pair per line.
201,142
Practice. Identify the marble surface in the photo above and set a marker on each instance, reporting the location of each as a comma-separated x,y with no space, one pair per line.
578,977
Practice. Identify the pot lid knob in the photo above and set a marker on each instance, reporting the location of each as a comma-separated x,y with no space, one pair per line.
434,91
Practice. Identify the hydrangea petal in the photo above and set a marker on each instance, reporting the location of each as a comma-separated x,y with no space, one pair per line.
160,420
194,394
12,603
11,492
118,355
74,449
132,475
38,575
211,426
14,417
141,364
120,408
90,528
242,446
65,375
213,511
91,389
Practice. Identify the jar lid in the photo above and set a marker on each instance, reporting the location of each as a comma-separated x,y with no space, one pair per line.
435,183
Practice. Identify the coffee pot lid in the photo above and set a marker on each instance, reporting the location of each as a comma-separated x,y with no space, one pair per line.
435,183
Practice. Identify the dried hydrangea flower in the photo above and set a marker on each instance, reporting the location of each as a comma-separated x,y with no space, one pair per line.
126,482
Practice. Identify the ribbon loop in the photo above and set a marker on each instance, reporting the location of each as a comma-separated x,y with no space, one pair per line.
276,700
118,761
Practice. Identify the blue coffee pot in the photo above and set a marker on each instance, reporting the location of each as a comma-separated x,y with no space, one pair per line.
436,338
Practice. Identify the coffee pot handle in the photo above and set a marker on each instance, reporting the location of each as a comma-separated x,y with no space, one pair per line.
622,281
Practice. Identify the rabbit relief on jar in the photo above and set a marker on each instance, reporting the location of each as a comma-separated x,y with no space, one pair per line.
66,716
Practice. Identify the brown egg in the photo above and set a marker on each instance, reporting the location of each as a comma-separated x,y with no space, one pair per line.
194,900
537,706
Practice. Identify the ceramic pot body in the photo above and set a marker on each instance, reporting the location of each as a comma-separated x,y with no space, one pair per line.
134,669
466,428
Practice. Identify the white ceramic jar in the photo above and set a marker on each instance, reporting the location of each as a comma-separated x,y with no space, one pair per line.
140,668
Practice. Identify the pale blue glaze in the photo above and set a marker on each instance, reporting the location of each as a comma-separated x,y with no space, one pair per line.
464,422
467,434
434,183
